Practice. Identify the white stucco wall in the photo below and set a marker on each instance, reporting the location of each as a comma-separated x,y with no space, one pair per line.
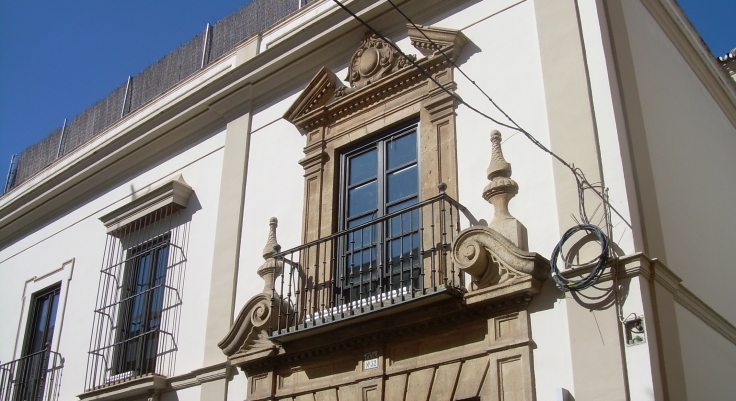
691,149
274,188
78,235
708,359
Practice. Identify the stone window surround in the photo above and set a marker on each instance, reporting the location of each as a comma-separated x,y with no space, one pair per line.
361,114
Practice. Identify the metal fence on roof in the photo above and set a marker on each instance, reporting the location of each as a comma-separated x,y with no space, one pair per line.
136,91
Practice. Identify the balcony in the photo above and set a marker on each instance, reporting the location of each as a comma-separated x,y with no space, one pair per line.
399,261
34,377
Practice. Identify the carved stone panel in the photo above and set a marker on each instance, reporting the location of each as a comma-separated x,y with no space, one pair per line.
374,59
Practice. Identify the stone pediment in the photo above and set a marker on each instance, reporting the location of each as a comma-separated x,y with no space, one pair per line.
318,92
428,38
376,72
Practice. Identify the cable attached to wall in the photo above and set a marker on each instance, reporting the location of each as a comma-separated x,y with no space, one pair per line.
601,260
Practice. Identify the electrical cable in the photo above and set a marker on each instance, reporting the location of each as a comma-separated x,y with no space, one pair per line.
582,183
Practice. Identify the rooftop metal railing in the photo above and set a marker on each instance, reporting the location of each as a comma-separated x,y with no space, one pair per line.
384,262
34,377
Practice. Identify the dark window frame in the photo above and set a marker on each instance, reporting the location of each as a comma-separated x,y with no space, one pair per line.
389,279
32,319
144,344
35,355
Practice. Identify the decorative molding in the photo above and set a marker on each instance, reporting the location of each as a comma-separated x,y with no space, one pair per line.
450,41
36,283
159,384
349,340
200,376
319,90
175,192
697,307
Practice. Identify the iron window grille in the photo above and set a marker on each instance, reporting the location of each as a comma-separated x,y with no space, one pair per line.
34,377
136,318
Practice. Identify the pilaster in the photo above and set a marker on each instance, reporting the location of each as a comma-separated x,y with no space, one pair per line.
599,368
227,237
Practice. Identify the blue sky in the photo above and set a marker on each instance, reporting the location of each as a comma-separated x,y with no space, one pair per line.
59,57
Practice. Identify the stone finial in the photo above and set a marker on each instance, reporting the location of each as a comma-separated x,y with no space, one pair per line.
499,192
271,268
271,244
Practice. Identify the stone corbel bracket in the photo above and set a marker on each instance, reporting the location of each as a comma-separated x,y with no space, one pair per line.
500,270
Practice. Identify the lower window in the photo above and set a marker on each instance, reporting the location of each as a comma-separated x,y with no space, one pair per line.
33,367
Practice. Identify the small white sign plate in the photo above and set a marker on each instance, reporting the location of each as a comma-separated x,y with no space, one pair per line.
370,360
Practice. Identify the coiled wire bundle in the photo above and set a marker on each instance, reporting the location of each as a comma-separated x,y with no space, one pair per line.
565,284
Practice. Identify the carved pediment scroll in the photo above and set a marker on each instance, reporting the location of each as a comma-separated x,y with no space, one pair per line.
249,333
492,259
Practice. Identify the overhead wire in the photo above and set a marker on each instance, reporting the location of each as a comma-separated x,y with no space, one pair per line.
562,282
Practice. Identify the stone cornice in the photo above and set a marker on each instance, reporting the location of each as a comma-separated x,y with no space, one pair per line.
640,265
174,192
449,41
319,90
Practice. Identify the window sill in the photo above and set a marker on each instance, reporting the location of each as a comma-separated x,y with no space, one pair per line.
126,389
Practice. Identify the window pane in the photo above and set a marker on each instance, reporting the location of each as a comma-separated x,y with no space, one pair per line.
39,336
362,198
405,222
401,150
402,183
363,166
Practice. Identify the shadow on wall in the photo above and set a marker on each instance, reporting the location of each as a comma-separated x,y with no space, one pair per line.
169,396
193,206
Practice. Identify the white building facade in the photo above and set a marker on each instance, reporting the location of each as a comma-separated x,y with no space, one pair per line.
129,265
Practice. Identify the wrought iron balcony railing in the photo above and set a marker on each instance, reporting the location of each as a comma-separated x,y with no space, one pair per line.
381,263
35,377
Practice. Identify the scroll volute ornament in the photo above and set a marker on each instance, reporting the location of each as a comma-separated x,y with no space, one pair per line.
249,333
496,256
374,60
492,259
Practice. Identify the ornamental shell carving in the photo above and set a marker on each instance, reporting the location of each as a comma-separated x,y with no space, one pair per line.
374,60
